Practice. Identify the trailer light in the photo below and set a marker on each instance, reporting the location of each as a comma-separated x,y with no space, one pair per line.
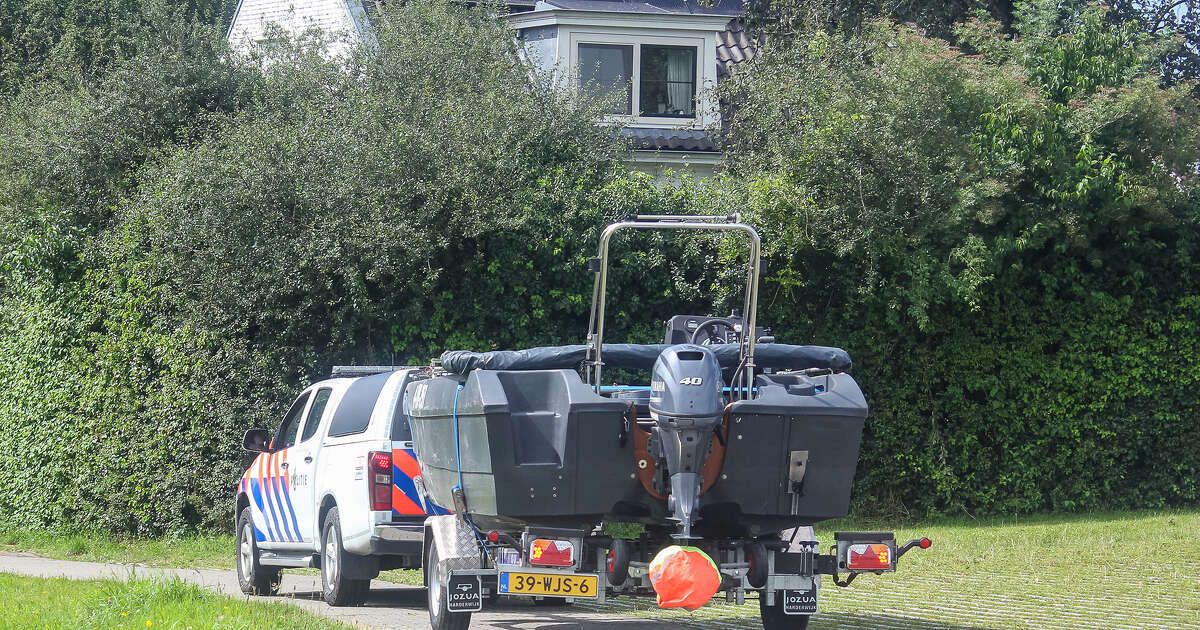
872,557
493,536
545,552
379,480
925,543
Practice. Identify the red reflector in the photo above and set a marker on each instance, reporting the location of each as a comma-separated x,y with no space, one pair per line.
868,557
379,480
493,536
925,543
544,552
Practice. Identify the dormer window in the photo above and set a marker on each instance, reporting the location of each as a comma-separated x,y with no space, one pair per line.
608,69
668,81
661,79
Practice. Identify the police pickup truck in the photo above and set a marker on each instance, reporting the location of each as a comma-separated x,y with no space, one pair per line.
336,487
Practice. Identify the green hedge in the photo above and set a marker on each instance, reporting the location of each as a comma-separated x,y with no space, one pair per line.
1004,242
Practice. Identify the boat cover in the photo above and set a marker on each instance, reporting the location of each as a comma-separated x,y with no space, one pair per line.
631,356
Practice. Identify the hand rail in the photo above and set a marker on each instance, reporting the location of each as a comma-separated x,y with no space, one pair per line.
730,223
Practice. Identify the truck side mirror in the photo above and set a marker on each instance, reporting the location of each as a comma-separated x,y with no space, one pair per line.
257,441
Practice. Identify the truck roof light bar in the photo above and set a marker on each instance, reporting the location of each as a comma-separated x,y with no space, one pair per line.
351,371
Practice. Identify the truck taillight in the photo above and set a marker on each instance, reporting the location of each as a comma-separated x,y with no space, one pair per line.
379,480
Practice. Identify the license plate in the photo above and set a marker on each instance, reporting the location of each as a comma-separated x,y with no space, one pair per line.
802,602
558,585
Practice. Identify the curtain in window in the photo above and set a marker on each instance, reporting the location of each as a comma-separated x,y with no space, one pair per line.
681,76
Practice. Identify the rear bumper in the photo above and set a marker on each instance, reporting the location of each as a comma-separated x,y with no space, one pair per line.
398,540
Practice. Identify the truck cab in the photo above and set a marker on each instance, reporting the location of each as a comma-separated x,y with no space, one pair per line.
336,487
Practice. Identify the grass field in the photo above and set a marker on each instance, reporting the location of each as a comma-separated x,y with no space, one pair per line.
77,604
1079,571
1099,571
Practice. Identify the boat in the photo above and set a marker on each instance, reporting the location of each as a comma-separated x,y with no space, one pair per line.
725,441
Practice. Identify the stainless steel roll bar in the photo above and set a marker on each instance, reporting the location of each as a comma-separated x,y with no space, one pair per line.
727,223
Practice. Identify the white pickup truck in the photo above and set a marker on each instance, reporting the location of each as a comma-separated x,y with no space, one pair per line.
337,488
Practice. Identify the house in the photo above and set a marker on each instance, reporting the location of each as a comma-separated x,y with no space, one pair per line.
654,60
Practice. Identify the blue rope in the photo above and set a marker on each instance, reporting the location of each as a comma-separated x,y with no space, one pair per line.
458,465
457,455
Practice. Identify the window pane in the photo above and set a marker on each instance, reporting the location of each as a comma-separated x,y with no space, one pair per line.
607,70
315,412
286,437
668,82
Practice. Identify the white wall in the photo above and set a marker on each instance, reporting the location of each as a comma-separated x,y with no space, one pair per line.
340,20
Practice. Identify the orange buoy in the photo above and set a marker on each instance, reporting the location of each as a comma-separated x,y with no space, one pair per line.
684,577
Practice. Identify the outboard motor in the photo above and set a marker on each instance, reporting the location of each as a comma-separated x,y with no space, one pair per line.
686,404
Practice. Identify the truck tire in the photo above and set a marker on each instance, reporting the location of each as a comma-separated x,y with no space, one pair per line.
253,577
338,589
439,617
773,617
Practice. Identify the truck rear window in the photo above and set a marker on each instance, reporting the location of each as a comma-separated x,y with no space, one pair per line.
353,414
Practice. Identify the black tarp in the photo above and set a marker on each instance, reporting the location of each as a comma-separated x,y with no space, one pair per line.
631,356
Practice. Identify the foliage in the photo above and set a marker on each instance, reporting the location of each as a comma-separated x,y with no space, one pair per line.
189,239
1005,241
791,18
39,39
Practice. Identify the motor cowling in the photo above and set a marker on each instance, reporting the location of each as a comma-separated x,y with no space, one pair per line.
686,404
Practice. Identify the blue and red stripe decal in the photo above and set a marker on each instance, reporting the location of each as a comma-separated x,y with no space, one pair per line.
267,485
406,500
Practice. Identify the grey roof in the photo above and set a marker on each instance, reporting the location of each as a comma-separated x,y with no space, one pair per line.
735,46
666,7
647,139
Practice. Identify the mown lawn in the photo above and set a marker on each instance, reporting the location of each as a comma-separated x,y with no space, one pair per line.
205,552
1079,571
28,602
1116,570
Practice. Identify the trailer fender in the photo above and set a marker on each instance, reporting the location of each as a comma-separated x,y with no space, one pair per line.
457,546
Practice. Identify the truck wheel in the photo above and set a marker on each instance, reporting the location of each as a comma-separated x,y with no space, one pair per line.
336,587
253,577
773,617
439,617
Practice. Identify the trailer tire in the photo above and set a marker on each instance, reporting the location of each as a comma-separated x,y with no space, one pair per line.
439,617
618,562
253,577
338,589
773,617
756,557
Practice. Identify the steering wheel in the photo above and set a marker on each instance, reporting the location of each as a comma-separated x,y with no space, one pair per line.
711,330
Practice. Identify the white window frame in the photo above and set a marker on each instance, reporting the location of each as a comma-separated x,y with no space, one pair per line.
584,36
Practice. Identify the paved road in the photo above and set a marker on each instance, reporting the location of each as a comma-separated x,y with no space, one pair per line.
390,606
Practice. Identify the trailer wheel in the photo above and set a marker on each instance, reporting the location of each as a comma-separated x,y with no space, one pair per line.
773,617
618,562
439,617
338,589
756,556
253,577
